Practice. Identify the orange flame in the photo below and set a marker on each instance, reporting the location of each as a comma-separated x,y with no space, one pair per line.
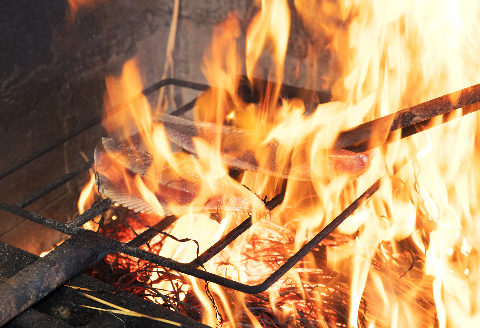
87,195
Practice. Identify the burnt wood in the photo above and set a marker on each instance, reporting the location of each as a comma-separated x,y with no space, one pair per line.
86,247
63,307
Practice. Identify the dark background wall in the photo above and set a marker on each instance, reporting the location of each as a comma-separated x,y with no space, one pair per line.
52,80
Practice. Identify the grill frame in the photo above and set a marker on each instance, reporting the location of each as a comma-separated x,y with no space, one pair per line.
84,248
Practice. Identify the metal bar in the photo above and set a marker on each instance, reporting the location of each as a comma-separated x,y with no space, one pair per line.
207,276
88,247
222,243
90,214
290,90
375,133
252,91
69,228
151,232
177,82
428,124
54,185
53,145
185,108
191,269
232,235
116,246
49,223
308,247
14,260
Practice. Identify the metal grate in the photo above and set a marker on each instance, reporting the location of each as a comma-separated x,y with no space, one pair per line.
87,247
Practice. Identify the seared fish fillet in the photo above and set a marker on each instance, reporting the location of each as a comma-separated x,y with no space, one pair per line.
118,166
179,189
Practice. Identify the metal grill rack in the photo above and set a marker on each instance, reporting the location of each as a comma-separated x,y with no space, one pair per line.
85,247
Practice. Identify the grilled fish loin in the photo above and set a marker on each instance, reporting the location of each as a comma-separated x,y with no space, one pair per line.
248,150
118,166
176,191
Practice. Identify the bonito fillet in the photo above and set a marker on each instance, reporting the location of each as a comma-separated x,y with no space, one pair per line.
180,189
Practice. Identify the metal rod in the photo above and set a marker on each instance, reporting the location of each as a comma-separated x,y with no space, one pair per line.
222,243
308,247
375,133
49,223
177,82
232,235
207,276
180,111
116,246
252,91
53,145
69,228
54,185
185,108
90,214
151,232
88,247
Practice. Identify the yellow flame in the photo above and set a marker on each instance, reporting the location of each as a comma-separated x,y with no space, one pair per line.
149,197
87,194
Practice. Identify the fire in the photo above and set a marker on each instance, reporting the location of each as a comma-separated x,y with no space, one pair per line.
400,54
410,253
87,195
